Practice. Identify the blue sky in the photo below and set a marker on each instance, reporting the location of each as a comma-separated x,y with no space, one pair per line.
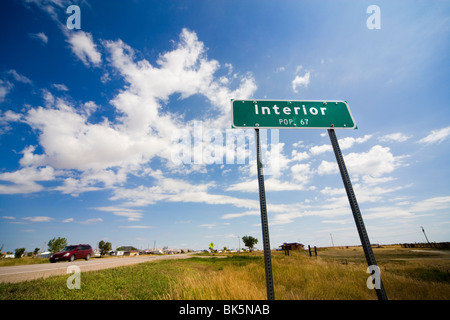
91,119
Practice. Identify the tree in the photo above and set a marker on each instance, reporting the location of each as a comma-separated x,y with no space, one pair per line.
249,242
19,252
57,244
36,251
104,247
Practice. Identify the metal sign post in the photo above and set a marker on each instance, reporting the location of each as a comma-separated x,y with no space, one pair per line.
370,258
264,222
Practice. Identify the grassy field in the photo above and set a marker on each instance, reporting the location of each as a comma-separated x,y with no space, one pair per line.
21,261
336,274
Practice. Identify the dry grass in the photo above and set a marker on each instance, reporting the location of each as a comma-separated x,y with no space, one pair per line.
6,262
229,284
335,274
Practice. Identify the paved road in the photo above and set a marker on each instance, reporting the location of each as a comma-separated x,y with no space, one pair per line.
36,271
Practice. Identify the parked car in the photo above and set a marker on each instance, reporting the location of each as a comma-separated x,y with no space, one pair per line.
72,252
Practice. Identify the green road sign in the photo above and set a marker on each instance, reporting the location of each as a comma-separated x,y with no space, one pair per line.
292,114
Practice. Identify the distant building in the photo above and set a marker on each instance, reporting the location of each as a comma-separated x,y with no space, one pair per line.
45,254
131,253
116,253
291,246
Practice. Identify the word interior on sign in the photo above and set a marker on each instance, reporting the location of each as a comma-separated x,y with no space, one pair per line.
291,111
288,110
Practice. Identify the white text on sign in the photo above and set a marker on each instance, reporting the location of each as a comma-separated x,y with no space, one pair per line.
288,110
303,122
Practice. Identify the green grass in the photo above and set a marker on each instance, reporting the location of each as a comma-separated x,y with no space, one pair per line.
335,274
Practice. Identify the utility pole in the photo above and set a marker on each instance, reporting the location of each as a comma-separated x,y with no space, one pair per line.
425,234
332,239
42,249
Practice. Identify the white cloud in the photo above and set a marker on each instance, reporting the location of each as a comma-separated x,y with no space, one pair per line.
135,227
344,143
302,173
130,214
241,214
5,88
300,82
7,117
250,185
333,191
271,184
348,142
316,150
184,69
40,36
342,221
84,48
396,137
387,213
38,219
10,116
376,162
436,136
72,143
432,204
177,190
299,156
92,221
24,180
60,87
336,205
370,180
19,77
68,220
327,167
208,225
75,186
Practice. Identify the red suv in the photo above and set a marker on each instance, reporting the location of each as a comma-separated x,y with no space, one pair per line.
70,253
